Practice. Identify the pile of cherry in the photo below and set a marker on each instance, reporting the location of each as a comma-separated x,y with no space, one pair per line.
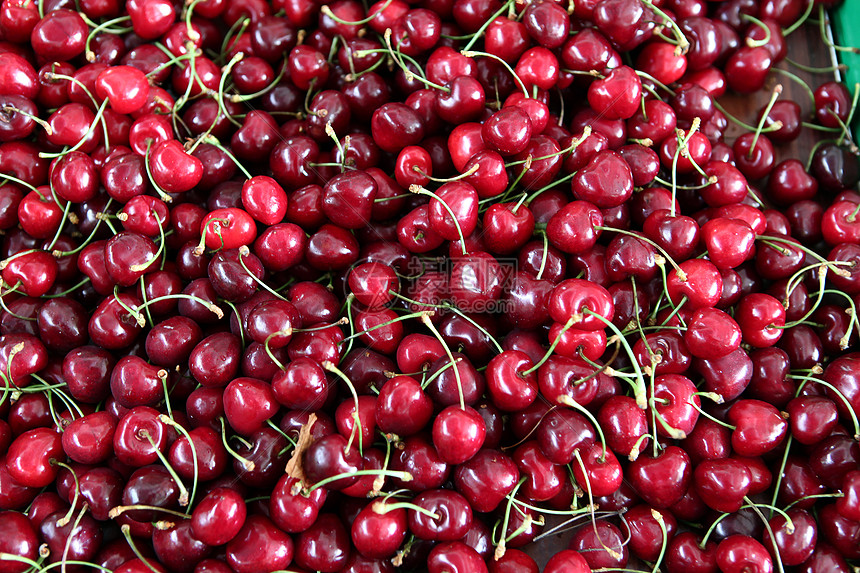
304,287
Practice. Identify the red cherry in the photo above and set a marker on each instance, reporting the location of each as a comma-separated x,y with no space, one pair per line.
125,87
617,95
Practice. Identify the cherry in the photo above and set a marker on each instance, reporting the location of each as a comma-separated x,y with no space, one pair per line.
59,36
124,87
722,484
173,169
379,529
759,316
456,557
617,95
685,553
601,544
75,541
826,557
19,539
697,280
395,126
797,543
670,469
324,546
741,553
759,427
219,517
646,534
227,228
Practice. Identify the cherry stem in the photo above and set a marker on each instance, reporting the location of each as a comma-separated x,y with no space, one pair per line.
586,132
382,507
644,239
192,34
272,357
239,320
486,24
815,496
544,255
567,326
425,318
456,311
500,546
471,171
214,142
439,372
767,35
192,54
506,65
559,181
815,70
11,109
98,28
658,83
800,21
522,172
815,148
770,238
710,417
658,517
83,139
846,130
168,420
327,11
244,251
382,325
126,532
568,401
356,427
579,512
808,378
161,192
826,35
672,431
418,190
100,217
225,72
120,509
398,57
402,476
639,390
247,465
213,226
20,182
173,60
71,536
615,554
6,308
144,266
238,98
238,28
571,523
183,491
852,310
781,471
794,282
277,428
64,521
777,90
209,306
796,79
789,525
683,43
